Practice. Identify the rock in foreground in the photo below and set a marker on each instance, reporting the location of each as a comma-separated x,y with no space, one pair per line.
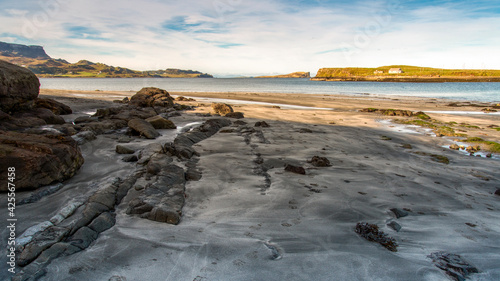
39,160
18,87
150,97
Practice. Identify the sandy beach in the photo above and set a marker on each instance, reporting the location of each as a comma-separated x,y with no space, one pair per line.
248,218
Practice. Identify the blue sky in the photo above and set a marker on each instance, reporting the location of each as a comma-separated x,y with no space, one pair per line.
239,37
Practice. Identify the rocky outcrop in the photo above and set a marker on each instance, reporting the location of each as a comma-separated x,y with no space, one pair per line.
453,265
222,108
39,160
150,97
54,106
143,128
19,87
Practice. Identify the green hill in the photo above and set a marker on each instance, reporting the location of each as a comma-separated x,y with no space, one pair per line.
35,59
409,74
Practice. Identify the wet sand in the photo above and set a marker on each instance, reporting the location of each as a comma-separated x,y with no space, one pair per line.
248,218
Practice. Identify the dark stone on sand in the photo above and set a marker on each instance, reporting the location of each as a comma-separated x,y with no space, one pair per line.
19,87
39,160
371,233
120,149
305,131
236,115
222,108
453,265
130,158
399,213
318,161
262,124
295,169
150,97
497,192
54,106
394,225
144,128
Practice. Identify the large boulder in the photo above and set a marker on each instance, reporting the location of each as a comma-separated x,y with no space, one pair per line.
222,108
38,160
144,128
150,97
19,87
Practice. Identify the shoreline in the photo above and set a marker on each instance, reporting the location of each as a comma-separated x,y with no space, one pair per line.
244,212
333,110
403,79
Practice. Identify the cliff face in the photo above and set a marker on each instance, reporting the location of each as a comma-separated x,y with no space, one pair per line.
17,50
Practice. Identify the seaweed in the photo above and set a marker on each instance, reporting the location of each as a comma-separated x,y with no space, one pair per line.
372,233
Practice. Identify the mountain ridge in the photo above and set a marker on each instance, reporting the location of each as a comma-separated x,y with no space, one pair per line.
36,59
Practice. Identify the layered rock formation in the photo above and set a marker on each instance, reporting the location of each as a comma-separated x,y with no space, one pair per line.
39,156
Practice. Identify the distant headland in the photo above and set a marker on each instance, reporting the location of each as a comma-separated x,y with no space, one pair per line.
406,73
36,59
291,75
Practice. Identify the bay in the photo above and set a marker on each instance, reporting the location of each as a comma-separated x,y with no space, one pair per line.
470,91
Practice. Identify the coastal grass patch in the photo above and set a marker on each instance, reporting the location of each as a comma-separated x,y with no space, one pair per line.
487,145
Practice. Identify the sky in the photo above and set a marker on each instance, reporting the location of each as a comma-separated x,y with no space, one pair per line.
257,37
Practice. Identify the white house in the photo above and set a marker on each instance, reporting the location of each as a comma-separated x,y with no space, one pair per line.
395,70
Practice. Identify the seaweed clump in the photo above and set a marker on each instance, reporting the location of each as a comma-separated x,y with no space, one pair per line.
371,233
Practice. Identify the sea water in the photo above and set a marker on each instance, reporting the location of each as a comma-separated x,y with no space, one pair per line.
470,91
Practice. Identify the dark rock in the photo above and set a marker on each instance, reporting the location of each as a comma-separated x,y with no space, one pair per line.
222,108
407,146
164,215
305,131
41,241
295,169
262,124
83,237
497,192
47,115
453,265
39,160
371,233
54,106
19,87
318,161
144,128
236,115
130,158
150,97
103,222
181,98
394,225
159,122
399,213
120,149
85,119
83,137
240,123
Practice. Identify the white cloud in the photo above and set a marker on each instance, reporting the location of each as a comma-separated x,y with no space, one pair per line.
243,37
